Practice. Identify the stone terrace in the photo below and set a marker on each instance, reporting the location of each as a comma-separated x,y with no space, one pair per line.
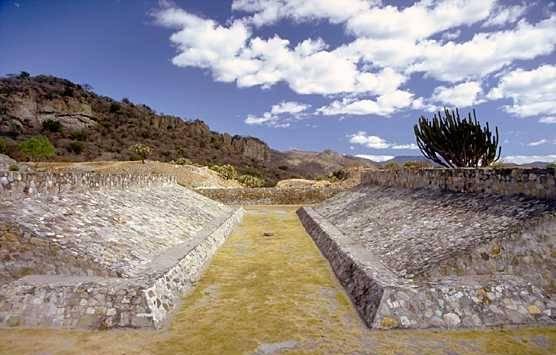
429,257
102,251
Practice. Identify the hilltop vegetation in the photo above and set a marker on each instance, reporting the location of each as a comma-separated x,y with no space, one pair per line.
84,126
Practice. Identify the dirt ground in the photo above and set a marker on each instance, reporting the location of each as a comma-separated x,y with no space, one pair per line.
273,294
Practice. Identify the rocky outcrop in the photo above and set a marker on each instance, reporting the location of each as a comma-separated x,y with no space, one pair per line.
251,148
24,112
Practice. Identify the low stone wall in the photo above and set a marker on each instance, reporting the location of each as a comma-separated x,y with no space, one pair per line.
270,195
16,185
101,303
536,183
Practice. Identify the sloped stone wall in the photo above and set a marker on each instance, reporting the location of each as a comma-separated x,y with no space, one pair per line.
102,251
93,302
443,248
536,183
387,300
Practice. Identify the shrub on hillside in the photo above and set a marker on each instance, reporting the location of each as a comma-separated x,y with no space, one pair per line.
339,175
183,161
226,171
24,75
52,126
79,135
114,107
551,166
251,181
3,146
37,148
75,147
142,150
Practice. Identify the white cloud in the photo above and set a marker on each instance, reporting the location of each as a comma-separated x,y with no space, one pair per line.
376,158
461,95
367,75
291,107
533,92
549,120
267,12
384,105
537,143
421,20
376,142
485,53
525,159
411,146
280,115
233,54
505,15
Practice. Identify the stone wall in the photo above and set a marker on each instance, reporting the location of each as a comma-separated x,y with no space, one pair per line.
109,302
270,196
536,183
102,251
386,300
16,185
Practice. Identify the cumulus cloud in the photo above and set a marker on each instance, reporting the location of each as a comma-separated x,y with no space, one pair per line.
384,105
233,54
388,47
280,115
485,53
461,95
533,92
526,159
376,158
424,18
376,142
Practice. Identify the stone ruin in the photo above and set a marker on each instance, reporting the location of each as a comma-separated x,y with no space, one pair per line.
413,248
102,251
444,248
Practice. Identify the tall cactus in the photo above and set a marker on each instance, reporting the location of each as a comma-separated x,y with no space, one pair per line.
455,142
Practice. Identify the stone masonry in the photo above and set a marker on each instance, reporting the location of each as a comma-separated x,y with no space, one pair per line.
270,195
102,251
430,257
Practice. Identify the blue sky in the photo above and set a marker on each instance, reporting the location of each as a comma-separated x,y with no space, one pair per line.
349,75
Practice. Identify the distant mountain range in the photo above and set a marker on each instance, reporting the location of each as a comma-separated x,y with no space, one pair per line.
406,158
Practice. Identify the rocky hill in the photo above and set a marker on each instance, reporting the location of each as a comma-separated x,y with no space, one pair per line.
97,127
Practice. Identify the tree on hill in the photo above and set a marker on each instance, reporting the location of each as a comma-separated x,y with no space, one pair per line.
142,150
454,142
37,148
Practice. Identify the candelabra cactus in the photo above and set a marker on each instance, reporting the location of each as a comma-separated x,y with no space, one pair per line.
454,142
